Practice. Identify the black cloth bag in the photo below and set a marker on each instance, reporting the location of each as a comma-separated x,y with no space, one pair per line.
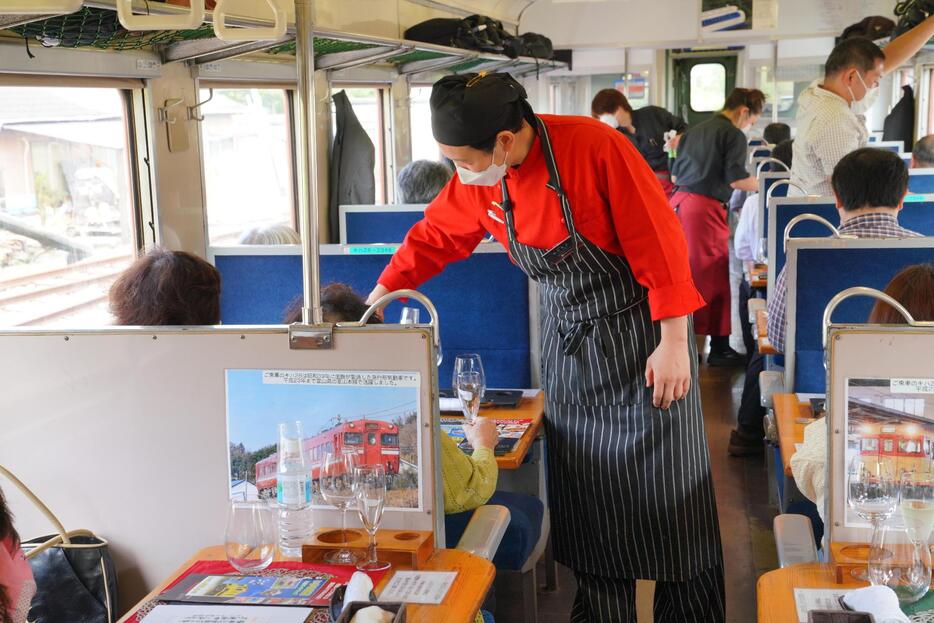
74,572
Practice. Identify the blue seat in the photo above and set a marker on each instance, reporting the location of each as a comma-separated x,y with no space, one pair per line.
525,528
487,617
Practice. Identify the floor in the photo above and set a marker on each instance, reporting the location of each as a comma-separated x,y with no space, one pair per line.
742,503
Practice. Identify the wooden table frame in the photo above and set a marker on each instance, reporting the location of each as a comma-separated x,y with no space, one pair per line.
788,410
463,601
762,334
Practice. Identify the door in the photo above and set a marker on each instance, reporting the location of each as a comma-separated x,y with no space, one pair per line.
702,84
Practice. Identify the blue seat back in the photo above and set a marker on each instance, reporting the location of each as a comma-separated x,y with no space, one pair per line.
818,269
897,146
766,181
483,302
917,215
378,224
921,181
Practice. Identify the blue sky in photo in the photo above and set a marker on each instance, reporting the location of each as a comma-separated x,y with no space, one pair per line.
254,410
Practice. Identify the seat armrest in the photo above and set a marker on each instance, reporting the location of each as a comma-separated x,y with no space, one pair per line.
794,540
755,305
770,382
485,531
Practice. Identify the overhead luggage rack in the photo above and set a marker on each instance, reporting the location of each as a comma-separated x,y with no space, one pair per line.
96,26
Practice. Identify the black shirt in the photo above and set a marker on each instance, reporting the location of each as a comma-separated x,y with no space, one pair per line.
711,156
651,123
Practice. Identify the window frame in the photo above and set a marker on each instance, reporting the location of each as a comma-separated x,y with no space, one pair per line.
140,178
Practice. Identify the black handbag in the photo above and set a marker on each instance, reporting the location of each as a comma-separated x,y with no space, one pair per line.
475,32
74,572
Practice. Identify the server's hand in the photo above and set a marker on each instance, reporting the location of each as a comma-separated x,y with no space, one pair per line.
378,292
482,433
668,369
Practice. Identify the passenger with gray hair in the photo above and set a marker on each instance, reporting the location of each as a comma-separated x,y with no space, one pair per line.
922,154
420,181
271,234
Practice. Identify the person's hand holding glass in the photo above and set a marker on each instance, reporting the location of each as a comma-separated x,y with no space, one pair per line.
250,541
469,383
337,488
481,433
370,488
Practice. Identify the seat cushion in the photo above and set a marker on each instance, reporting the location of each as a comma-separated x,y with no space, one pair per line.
525,528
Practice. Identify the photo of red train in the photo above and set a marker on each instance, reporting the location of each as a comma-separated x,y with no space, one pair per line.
373,441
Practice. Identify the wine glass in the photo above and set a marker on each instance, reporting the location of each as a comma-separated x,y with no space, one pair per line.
469,384
899,562
337,487
409,315
370,483
874,497
762,251
250,541
916,502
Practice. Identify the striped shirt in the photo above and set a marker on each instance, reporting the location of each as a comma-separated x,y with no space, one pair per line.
873,225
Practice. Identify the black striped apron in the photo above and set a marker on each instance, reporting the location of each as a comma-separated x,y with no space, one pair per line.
630,488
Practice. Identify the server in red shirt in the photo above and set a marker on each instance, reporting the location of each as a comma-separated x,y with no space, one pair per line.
580,211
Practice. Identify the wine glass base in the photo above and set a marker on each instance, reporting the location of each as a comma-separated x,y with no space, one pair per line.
375,565
342,557
860,573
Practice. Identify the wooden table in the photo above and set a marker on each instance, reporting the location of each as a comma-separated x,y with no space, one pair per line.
463,601
758,274
775,590
529,409
762,333
788,410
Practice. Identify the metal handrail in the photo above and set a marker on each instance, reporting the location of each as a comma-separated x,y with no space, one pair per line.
871,293
412,294
808,217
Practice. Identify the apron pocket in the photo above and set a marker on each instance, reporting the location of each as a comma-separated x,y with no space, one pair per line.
601,362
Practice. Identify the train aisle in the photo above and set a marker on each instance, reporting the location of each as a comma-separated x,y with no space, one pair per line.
742,502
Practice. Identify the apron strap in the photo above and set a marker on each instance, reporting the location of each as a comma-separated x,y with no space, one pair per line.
554,183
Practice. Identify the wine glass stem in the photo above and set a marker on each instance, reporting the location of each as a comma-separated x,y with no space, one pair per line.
372,548
344,524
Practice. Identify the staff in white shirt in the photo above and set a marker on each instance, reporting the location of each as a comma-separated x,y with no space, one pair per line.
830,120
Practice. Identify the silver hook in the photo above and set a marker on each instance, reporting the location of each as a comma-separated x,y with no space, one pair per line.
164,111
193,110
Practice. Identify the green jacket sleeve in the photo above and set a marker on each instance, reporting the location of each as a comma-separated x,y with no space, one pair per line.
469,481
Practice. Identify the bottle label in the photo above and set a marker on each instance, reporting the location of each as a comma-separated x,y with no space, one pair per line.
293,490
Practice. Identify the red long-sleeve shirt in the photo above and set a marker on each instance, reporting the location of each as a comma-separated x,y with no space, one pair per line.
616,201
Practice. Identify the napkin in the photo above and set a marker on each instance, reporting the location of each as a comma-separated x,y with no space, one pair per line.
372,614
880,601
358,589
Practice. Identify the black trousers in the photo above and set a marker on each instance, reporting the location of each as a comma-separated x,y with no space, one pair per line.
751,412
608,600
749,339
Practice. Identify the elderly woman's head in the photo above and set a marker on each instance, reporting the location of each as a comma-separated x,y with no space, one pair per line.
420,181
167,288
271,234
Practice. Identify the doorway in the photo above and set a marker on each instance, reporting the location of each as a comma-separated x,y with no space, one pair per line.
701,85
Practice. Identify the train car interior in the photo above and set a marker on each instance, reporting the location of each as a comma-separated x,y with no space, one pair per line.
450,311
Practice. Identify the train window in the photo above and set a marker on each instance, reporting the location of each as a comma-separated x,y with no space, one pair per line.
247,161
424,146
708,87
371,439
368,105
390,439
67,210
353,439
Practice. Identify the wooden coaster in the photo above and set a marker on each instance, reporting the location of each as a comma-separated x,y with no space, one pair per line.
401,548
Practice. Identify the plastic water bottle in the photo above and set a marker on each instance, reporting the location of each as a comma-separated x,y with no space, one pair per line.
293,490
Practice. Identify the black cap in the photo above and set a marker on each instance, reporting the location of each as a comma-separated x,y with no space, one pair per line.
470,108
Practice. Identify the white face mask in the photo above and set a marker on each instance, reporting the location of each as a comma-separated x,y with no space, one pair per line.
610,120
861,107
487,177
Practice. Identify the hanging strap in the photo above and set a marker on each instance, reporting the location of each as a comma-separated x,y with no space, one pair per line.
63,536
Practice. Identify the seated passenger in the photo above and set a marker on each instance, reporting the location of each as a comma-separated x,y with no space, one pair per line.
922,154
469,481
17,585
167,288
913,287
420,181
870,186
776,133
339,303
271,234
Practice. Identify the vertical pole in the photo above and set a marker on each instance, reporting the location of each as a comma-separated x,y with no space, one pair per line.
775,98
306,160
